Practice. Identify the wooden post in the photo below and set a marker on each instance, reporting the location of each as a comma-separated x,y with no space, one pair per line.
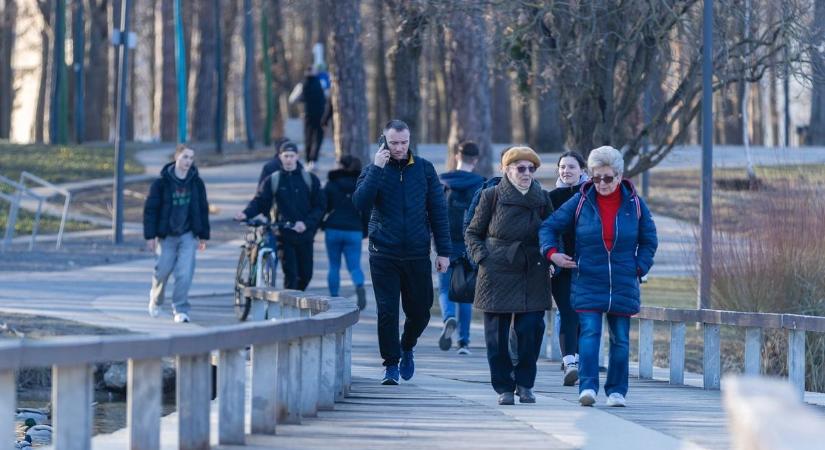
283,384
72,415
645,349
326,383
677,353
339,366
294,386
143,403
347,360
310,371
8,403
258,309
265,385
193,389
712,361
796,360
753,351
231,397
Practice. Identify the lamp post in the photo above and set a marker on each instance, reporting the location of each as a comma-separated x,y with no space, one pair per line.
706,218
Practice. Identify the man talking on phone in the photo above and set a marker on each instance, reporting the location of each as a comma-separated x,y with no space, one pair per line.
406,201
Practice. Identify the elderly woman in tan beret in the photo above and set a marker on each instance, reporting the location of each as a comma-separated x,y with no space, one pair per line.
513,281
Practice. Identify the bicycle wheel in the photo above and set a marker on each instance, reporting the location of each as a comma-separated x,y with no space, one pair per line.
243,278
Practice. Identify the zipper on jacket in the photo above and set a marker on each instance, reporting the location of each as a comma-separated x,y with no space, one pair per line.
609,264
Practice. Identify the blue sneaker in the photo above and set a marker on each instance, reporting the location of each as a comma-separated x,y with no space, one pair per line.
407,365
390,376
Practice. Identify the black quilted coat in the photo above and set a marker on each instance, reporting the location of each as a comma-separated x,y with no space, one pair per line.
513,277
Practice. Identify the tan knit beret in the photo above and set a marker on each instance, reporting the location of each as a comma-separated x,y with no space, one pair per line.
521,154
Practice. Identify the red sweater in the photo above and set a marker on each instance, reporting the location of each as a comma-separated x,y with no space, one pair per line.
608,209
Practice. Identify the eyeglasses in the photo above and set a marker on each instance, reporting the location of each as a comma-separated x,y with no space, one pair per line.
607,179
522,169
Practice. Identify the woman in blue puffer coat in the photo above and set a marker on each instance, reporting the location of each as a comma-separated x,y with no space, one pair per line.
615,241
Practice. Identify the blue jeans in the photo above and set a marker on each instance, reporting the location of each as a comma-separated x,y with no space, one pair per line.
589,340
448,308
348,243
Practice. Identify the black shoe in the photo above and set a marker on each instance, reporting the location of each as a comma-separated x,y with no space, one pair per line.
525,395
506,398
362,297
446,339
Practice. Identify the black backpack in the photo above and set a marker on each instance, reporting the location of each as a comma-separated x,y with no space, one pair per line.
458,201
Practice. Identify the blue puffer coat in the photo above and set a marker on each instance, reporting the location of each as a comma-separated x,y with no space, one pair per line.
605,281
407,203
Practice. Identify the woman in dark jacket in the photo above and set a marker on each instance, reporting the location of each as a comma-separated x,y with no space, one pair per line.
344,227
571,176
615,241
513,280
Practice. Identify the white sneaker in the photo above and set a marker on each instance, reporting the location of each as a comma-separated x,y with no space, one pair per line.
181,318
154,309
587,397
616,399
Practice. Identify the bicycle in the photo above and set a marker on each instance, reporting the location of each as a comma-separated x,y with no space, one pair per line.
257,263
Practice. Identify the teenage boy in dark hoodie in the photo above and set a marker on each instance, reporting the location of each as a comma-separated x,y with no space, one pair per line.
299,200
175,223
460,185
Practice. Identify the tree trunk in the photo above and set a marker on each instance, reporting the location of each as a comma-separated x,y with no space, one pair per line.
8,24
203,117
229,15
144,68
442,85
381,95
168,88
406,55
96,100
45,7
469,88
816,130
349,100
502,113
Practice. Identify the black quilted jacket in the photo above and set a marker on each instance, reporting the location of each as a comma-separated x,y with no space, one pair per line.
406,203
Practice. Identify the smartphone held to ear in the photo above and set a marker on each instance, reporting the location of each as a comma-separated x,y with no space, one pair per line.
382,143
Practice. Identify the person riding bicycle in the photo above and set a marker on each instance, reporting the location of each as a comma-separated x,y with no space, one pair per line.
296,197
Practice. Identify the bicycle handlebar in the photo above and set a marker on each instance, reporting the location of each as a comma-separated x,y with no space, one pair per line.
282,225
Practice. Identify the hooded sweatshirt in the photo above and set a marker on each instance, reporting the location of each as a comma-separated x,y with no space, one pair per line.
460,186
176,206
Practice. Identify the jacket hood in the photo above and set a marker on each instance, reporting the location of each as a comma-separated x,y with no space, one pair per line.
168,172
461,180
342,173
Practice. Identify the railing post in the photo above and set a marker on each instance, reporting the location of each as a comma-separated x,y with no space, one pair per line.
265,385
711,356
283,384
339,366
294,387
193,389
8,402
677,353
347,361
326,389
231,397
753,350
645,349
796,360
143,409
72,415
310,370
258,309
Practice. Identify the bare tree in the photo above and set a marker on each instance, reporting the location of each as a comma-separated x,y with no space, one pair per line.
406,56
602,52
144,67
46,7
381,107
8,23
349,100
203,117
168,88
96,100
469,87
816,129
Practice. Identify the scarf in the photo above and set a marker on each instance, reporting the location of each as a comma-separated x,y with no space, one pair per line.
582,178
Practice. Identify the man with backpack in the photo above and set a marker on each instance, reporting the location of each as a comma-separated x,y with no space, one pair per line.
459,186
297,198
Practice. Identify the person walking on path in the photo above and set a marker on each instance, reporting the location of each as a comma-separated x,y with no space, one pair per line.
571,176
513,283
275,163
298,200
311,93
615,242
344,227
175,224
405,200
460,185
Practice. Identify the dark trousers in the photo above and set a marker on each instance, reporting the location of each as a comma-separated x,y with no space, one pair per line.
412,280
569,326
313,137
529,328
296,259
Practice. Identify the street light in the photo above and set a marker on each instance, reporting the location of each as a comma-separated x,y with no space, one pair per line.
706,218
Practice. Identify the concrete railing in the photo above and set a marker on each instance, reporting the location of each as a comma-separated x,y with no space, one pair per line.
754,323
301,363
